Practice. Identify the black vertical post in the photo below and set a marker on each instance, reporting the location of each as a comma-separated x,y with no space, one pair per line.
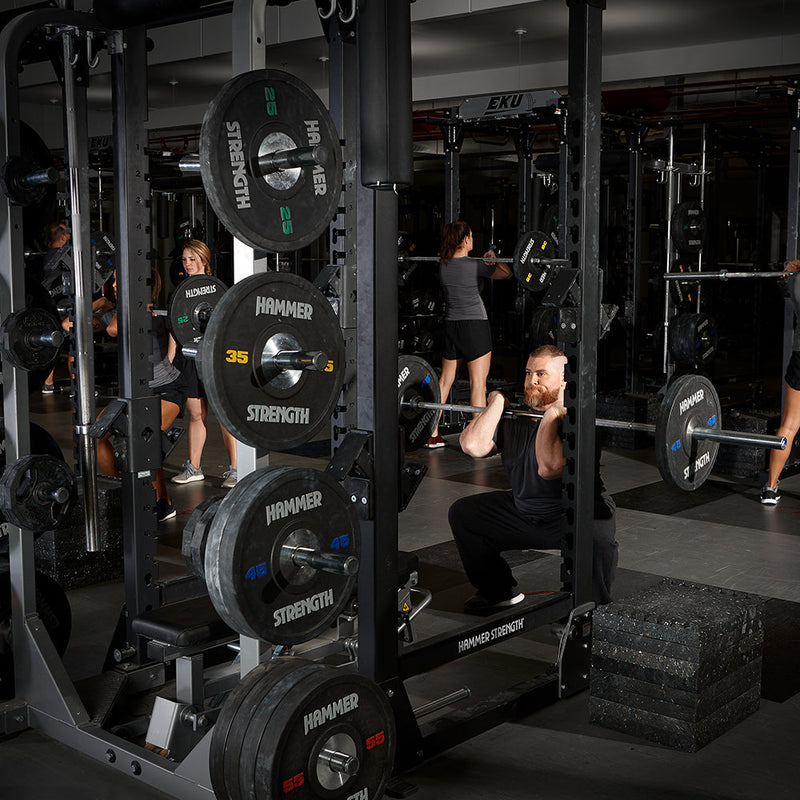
377,320
453,137
129,76
633,258
523,141
582,249
792,213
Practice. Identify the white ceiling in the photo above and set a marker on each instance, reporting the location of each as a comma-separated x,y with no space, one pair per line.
463,48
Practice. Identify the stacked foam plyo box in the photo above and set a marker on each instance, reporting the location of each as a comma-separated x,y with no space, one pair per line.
678,664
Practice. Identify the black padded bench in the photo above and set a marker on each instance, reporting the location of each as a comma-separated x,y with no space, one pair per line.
187,625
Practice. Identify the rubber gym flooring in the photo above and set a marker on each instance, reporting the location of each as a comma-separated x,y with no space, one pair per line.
719,535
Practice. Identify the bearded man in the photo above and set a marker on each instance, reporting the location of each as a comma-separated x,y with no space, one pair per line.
530,515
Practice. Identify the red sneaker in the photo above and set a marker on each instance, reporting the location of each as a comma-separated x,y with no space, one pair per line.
434,442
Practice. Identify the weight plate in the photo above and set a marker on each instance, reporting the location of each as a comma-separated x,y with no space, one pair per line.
53,608
330,712
532,246
544,325
692,339
18,339
256,114
255,586
36,492
105,258
258,316
683,461
688,227
195,533
253,724
234,717
42,443
191,305
550,221
416,379
43,212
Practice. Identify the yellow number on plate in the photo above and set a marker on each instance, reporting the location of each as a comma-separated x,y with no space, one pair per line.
237,356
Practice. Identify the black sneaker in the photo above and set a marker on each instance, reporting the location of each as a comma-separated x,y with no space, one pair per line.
480,604
48,388
770,496
164,510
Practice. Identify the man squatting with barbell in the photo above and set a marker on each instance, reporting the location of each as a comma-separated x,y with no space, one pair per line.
530,515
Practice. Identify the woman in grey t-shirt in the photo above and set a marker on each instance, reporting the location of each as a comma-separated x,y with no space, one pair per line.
467,335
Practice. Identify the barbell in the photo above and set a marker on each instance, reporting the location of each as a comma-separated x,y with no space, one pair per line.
721,275
688,431
533,267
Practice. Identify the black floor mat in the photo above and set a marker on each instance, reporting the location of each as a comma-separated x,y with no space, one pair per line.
658,498
780,673
441,571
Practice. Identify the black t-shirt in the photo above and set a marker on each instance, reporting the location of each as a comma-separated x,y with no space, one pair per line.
535,496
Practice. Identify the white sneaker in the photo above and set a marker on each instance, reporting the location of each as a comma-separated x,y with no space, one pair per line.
189,475
230,478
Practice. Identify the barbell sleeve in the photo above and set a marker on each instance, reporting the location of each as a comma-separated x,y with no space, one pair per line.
713,434
739,438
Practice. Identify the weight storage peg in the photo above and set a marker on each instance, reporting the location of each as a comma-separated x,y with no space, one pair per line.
270,160
281,554
30,339
687,434
25,183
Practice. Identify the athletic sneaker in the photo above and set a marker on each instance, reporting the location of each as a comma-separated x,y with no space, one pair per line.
189,475
164,510
770,497
434,442
480,604
48,388
230,477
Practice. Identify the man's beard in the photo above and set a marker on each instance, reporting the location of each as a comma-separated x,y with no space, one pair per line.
540,396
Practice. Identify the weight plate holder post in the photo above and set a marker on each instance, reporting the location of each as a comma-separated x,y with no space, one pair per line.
305,728
687,434
272,360
281,554
270,160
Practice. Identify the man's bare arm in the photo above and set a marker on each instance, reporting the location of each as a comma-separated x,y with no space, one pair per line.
477,439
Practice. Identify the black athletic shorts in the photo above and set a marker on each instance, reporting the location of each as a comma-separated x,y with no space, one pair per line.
793,371
174,392
466,338
188,368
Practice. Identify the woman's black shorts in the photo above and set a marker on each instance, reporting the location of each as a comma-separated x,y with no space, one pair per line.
793,371
466,338
174,392
188,368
